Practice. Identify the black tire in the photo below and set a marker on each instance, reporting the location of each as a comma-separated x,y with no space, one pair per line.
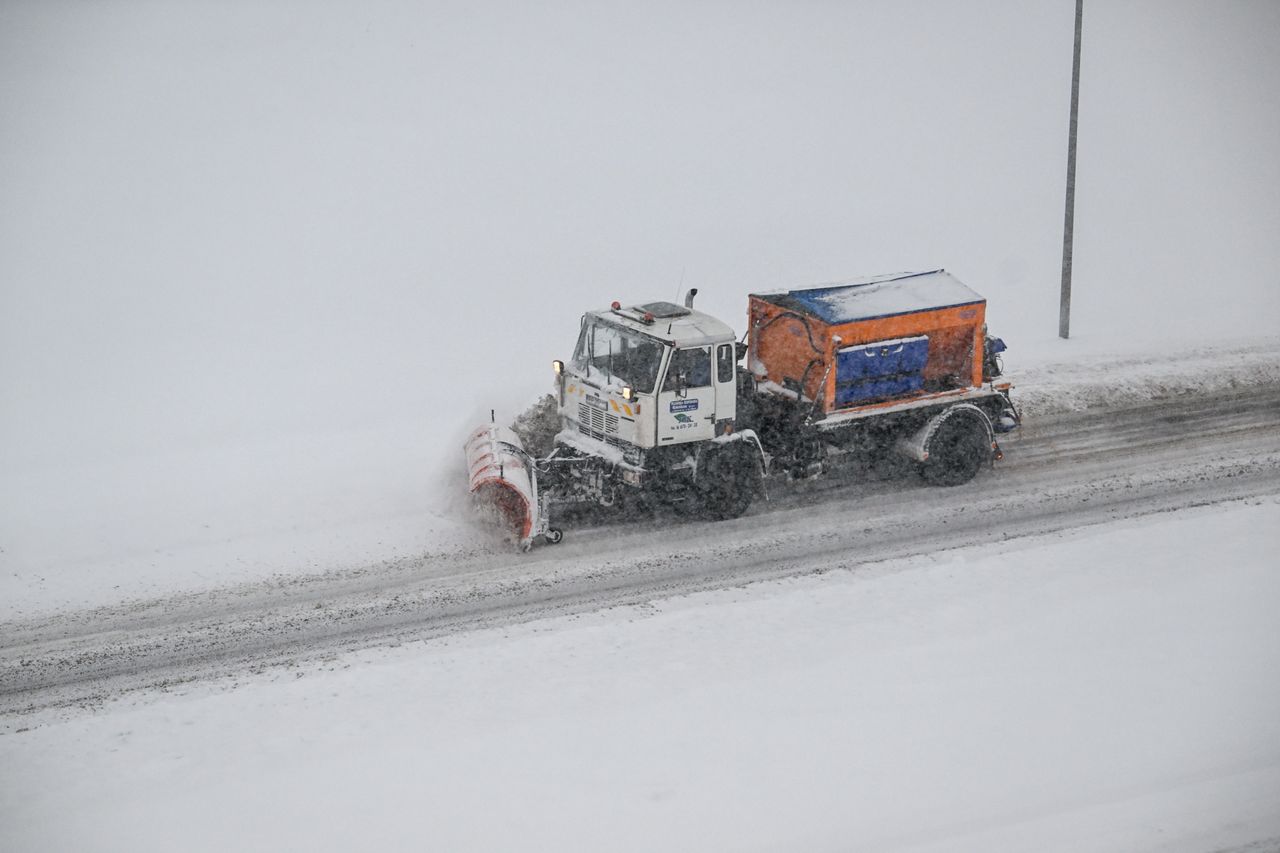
728,479
554,535
957,450
807,460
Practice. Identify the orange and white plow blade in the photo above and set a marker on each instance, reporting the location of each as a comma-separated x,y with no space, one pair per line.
502,484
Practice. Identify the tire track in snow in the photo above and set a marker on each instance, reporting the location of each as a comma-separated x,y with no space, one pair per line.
1072,471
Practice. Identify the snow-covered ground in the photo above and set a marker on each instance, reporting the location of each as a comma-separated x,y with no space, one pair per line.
1111,690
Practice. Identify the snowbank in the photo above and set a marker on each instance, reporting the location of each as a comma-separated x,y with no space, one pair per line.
1070,376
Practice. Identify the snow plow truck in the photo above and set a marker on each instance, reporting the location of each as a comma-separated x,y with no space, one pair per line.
664,402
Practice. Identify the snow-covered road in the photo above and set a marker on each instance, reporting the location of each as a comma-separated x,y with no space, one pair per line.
1063,471
1110,690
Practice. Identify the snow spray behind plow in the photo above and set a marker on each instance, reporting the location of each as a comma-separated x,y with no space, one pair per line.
504,487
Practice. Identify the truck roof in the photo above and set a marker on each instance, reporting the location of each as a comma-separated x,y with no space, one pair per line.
877,296
670,323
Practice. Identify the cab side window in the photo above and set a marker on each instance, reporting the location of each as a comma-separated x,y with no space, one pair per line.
693,364
724,363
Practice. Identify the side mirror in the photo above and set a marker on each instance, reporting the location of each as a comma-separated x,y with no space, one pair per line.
558,367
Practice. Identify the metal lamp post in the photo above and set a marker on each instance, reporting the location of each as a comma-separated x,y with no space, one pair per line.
1068,228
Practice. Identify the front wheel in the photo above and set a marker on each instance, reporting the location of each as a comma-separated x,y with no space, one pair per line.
728,478
956,451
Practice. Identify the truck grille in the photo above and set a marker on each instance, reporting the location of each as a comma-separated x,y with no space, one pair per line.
597,423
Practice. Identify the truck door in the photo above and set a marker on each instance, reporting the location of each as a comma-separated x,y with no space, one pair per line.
687,401
726,382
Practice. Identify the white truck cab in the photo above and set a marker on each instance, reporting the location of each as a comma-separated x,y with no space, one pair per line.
649,376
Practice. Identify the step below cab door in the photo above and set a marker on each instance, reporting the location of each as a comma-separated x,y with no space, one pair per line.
687,399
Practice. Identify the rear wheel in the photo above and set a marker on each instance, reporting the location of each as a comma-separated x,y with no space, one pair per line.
728,478
956,451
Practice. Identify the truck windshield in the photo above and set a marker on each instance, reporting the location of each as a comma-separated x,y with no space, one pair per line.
611,355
